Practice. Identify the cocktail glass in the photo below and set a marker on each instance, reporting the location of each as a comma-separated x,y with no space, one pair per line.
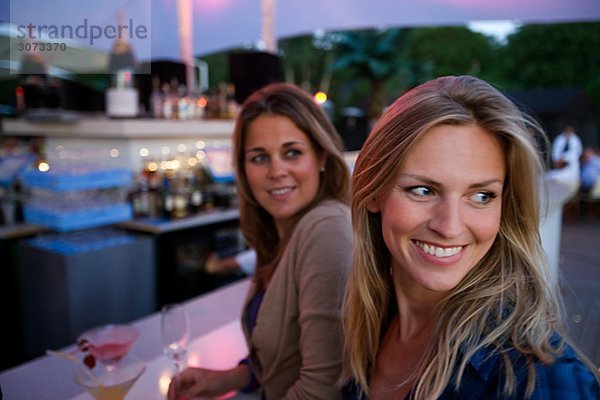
109,343
110,383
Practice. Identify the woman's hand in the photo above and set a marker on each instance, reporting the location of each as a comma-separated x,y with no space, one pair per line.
200,382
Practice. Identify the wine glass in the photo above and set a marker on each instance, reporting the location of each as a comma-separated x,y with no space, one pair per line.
175,330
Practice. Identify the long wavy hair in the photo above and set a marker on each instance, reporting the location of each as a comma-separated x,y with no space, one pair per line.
257,225
511,299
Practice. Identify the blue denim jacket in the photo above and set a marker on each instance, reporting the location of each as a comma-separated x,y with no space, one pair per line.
566,379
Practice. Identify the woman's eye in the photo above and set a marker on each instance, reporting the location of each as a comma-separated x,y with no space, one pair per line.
258,159
292,153
483,197
421,191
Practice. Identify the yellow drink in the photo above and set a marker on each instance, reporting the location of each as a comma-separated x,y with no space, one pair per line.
110,384
114,392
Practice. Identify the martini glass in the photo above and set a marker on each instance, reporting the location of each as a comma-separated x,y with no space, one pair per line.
109,343
110,383
116,370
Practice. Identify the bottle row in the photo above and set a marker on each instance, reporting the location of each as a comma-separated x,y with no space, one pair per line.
172,101
180,194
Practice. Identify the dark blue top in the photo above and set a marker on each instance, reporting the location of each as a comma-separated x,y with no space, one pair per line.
251,315
566,379
253,307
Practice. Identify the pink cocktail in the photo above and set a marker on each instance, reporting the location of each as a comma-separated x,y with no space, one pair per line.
108,343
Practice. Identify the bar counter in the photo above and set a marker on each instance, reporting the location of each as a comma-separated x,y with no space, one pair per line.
101,127
161,225
125,136
216,342
18,230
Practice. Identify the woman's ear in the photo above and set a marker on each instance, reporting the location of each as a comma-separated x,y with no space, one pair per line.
373,205
322,162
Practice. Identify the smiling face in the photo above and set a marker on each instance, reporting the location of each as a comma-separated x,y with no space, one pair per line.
443,213
282,167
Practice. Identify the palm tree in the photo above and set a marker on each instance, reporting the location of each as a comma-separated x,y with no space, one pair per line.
372,55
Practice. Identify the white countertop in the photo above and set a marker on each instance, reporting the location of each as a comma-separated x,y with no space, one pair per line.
106,128
221,348
217,343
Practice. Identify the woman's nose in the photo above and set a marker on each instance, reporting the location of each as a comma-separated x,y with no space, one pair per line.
276,168
447,219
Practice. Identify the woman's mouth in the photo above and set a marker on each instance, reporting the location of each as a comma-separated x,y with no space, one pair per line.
280,191
438,251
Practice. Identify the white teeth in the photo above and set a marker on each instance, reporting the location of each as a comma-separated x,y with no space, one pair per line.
439,251
278,192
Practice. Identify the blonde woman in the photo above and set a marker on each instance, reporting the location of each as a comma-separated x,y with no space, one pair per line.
450,296
293,185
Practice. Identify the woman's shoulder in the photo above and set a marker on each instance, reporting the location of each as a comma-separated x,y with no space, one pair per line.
324,233
330,217
326,217
327,209
566,377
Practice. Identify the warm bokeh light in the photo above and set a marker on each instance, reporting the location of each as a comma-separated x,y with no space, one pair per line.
194,360
181,147
320,97
114,153
144,152
152,166
43,167
173,164
164,381
165,150
200,144
202,102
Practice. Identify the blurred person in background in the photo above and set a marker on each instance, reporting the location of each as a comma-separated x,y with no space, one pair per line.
566,154
590,181
244,261
451,295
294,185
590,169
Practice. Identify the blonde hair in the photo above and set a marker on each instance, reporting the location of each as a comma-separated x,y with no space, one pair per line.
510,299
256,223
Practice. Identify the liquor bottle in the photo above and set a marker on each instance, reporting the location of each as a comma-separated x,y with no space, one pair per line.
196,105
134,199
194,193
154,205
180,199
156,99
174,99
144,197
167,107
207,187
182,104
167,202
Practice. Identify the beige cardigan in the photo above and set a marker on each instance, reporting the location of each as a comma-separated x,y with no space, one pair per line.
296,345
